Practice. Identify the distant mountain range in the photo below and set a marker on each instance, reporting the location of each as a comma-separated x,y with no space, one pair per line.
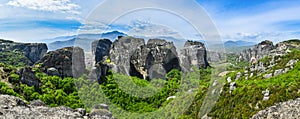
84,39
232,46
238,43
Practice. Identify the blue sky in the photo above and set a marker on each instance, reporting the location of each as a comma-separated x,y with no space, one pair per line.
250,20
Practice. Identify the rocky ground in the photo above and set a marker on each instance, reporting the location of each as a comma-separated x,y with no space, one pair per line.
14,108
283,110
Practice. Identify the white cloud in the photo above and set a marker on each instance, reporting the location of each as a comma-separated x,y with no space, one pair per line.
64,6
93,27
148,29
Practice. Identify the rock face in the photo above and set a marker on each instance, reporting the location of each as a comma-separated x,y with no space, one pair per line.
154,60
258,51
132,56
214,57
193,55
283,110
101,48
266,48
33,51
27,76
13,107
68,61
121,51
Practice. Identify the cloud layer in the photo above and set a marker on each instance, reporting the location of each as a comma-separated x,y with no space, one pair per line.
64,6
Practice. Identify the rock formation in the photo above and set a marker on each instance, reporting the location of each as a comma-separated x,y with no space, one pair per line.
121,51
33,51
101,48
68,61
258,51
27,76
13,107
266,48
193,55
154,59
132,56
283,110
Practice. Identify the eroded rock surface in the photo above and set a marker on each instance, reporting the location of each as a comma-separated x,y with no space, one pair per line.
154,59
284,110
193,55
13,107
69,61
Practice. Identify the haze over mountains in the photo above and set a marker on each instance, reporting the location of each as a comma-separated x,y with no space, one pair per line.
84,40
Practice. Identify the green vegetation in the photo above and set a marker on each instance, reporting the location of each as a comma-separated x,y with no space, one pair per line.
14,58
234,65
246,99
137,96
53,90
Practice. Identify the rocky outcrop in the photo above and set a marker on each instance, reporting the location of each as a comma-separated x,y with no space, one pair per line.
266,48
27,76
121,51
283,110
154,59
33,51
258,51
13,107
101,48
193,55
68,61
132,56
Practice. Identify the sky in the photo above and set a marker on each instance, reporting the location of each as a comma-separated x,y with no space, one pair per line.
248,20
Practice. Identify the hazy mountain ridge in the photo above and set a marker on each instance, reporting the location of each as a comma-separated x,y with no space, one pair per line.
68,41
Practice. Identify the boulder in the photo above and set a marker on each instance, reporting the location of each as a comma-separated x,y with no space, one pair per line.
229,79
266,94
232,86
27,76
69,62
193,55
53,72
278,72
266,76
291,63
238,75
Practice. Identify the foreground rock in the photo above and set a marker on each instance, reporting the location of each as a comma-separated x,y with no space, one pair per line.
69,62
13,107
283,110
33,51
